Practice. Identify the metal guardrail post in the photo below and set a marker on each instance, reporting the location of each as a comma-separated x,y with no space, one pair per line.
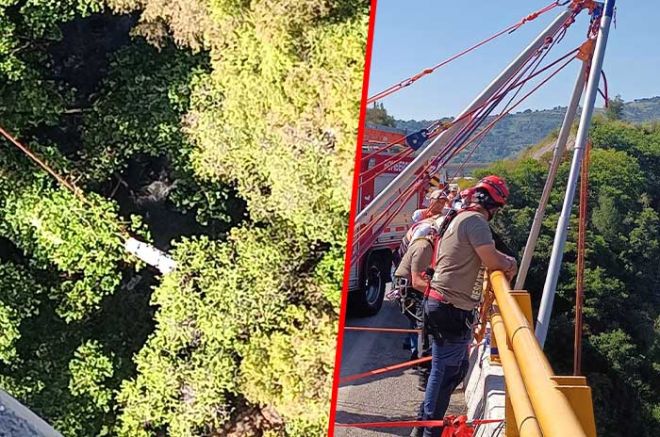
553,409
526,423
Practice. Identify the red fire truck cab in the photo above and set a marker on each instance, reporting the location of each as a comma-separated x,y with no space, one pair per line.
373,270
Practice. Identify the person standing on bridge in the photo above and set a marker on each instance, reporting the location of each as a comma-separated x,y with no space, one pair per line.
411,280
438,200
453,193
466,249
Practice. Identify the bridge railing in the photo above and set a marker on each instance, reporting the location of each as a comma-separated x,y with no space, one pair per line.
538,403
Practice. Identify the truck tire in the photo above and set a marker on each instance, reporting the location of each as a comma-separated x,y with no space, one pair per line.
368,300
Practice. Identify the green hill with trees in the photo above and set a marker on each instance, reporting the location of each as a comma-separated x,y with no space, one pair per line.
518,131
223,132
621,346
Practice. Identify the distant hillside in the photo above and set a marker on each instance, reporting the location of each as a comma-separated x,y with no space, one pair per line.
521,130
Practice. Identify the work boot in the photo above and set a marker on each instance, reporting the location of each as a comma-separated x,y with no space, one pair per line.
417,432
423,379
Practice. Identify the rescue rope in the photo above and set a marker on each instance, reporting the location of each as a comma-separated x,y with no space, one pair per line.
59,178
122,234
518,82
503,114
412,79
605,93
434,127
579,288
457,426
442,158
380,371
414,423
392,330
143,251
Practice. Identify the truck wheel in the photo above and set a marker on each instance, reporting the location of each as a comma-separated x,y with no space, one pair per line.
369,299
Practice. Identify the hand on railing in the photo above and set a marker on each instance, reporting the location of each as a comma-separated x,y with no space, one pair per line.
511,271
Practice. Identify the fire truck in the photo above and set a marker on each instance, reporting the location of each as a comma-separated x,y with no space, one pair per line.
373,270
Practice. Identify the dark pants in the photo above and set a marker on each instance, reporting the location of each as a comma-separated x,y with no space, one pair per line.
414,305
451,338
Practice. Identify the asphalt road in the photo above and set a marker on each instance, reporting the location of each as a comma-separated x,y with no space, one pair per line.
388,397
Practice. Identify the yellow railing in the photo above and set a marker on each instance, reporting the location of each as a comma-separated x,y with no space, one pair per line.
538,402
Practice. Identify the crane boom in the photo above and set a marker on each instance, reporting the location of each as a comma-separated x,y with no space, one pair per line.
407,176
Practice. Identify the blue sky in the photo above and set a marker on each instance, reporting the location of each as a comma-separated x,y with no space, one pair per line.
411,35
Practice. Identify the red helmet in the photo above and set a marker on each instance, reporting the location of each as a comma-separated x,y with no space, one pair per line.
496,188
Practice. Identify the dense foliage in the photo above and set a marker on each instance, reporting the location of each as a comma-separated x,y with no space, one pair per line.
621,349
227,127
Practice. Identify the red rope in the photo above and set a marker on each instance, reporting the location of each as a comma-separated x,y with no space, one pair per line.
579,289
350,378
393,330
413,423
69,186
504,89
516,84
470,113
606,93
503,114
409,81
443,153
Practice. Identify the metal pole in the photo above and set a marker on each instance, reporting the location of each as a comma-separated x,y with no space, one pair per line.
560,148
545,311
405,178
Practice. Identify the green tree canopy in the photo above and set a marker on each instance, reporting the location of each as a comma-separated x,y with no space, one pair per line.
620,350
235,121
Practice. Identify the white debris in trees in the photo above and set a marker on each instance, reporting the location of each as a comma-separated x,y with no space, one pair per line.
150,255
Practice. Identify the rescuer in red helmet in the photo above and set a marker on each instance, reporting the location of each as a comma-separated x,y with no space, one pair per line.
466,250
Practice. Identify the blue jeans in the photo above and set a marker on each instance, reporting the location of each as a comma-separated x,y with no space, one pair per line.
448,367
412,339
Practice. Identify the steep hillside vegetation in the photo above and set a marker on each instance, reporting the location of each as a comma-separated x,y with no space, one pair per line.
518,131
621,349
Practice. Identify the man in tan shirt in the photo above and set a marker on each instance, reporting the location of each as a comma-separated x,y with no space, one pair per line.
412,269
465,251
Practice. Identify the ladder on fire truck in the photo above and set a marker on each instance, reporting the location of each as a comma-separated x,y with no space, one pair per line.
537,401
